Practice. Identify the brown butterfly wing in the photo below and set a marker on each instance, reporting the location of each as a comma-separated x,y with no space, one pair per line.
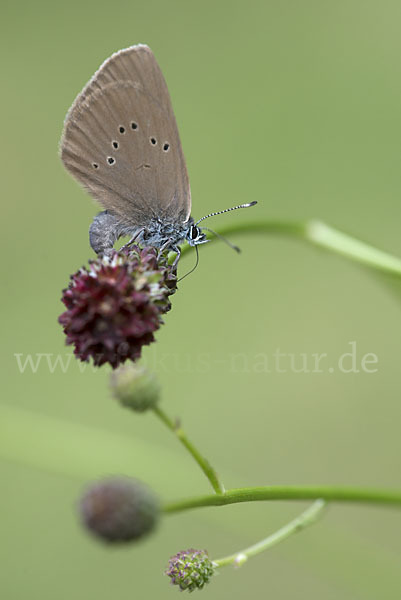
121,141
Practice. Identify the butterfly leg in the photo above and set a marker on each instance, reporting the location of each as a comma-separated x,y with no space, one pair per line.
177,258
174,248
133,239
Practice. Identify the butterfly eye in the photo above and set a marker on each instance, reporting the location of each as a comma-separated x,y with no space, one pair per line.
194,232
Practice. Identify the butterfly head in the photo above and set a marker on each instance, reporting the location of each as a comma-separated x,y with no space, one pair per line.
195,236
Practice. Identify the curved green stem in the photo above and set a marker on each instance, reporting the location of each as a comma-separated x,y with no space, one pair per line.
308,517
321,235
202,462
289,492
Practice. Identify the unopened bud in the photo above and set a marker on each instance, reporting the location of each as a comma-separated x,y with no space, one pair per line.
119,509
135,387
190,569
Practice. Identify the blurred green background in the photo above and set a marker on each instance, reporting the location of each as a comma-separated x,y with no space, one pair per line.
295,104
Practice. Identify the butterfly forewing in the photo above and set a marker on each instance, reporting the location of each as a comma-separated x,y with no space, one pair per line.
121,141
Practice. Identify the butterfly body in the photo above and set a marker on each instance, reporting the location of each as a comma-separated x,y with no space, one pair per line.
121,142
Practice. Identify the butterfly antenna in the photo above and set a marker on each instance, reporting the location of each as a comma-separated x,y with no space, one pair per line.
220,212
193,268
223,239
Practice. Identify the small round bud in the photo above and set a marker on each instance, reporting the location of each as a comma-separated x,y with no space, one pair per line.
135,387
190,569
119,509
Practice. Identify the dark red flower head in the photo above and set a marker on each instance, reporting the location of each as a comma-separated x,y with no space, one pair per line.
115,305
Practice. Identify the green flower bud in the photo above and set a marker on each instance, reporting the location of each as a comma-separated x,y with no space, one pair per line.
135,387
190,569
119,509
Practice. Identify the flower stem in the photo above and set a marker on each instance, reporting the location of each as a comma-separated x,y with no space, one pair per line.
202,462
321,235
289,492
308,517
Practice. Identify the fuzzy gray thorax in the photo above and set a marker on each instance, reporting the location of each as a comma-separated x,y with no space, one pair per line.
107,228
161,233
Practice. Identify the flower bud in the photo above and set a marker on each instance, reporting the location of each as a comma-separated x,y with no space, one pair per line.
119,509
190,569
135,387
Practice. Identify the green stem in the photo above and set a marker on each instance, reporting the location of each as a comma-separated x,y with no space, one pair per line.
202,462
322,235
289,492
308,517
